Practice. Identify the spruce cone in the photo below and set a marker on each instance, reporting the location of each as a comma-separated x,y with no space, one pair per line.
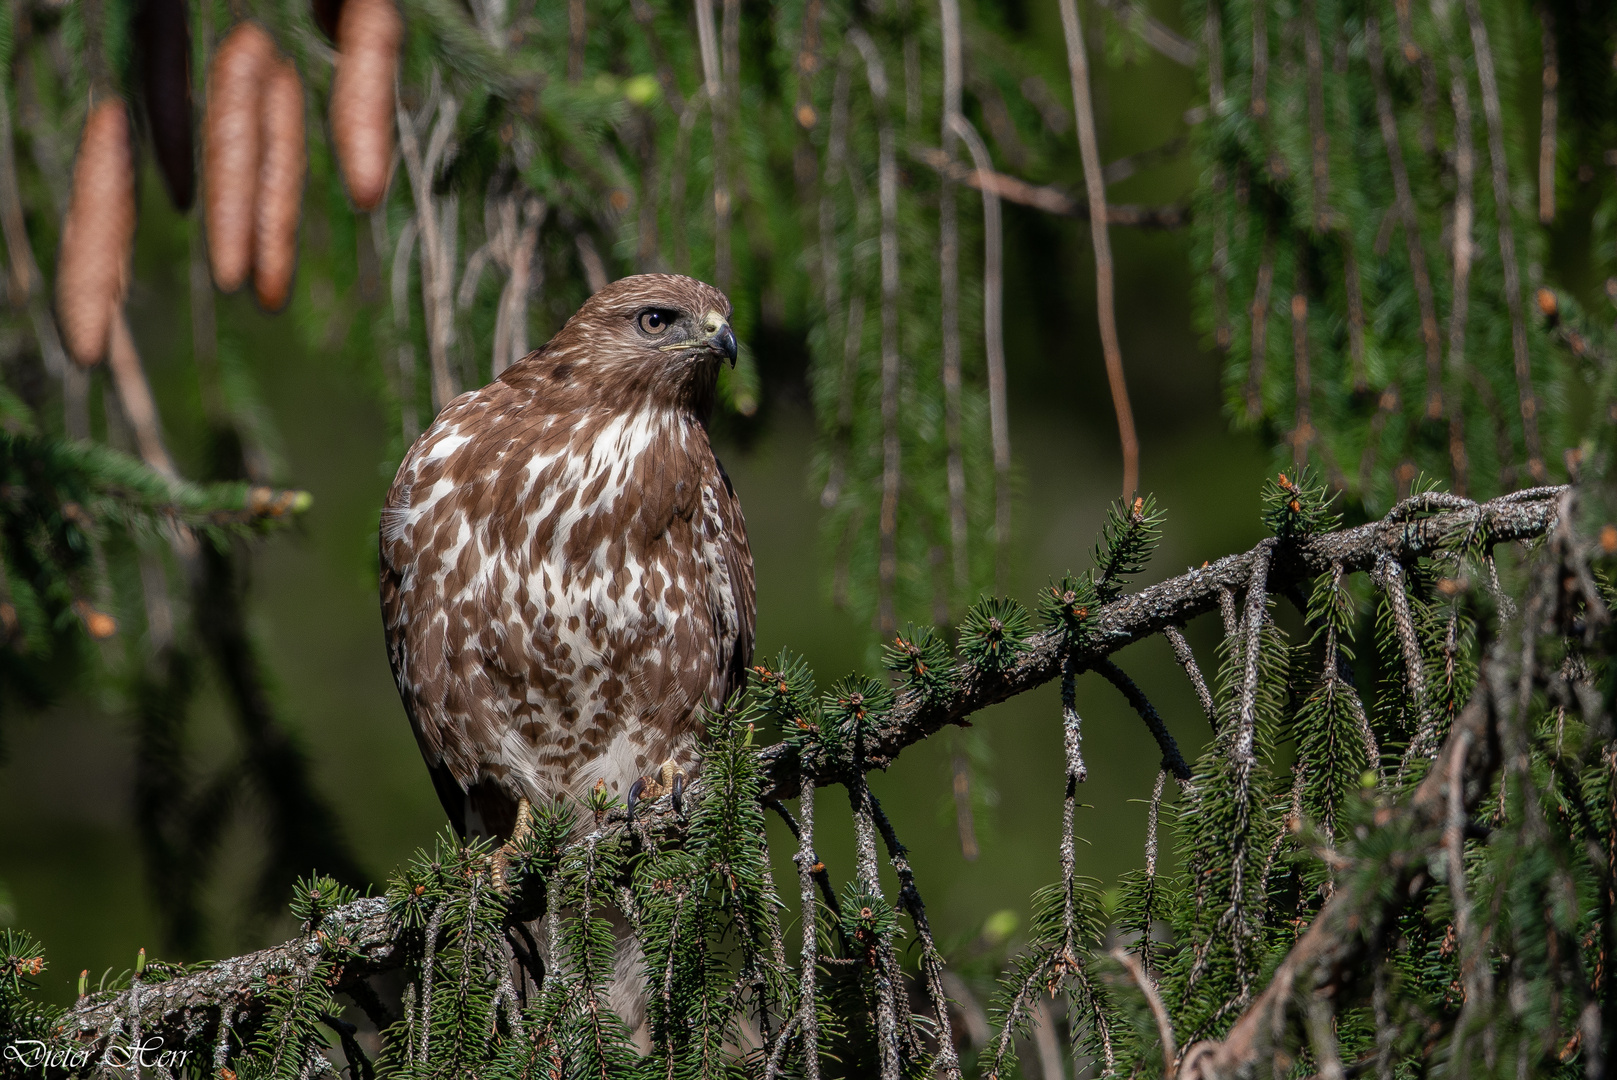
231,149
369,33
97,235
281,172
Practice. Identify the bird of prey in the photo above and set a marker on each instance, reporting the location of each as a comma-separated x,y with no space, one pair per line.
566,582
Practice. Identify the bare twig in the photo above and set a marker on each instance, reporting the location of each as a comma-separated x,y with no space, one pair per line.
1259,98
1133,15
888,976
1405,204
135,398
887,185
1159,1012
400,281
1494,114
1260,327
806,863
949,260
1459,305
1547,119
1048,198
1078,65
994,349
1187,660
438,227
945,1061
1172,760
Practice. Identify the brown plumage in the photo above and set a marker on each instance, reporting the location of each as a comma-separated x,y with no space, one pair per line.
566,582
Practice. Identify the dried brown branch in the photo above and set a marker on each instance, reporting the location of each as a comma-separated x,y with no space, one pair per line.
1083,110
1048,198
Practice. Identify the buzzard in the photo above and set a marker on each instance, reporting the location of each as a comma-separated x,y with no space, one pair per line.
566,582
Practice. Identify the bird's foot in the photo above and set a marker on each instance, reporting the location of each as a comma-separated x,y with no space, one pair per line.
669,779
519,833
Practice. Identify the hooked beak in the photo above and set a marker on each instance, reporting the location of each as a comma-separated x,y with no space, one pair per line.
720,338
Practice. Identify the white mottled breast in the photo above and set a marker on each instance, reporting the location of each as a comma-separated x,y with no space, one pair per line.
563,594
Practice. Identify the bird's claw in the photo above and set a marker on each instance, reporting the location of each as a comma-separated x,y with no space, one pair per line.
669,780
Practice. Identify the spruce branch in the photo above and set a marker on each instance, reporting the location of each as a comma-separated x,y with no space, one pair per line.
1327,959
191,1003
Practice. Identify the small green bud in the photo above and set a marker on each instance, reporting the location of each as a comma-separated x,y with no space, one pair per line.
641,89
998,927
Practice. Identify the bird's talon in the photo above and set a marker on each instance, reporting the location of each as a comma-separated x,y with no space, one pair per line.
679,792
636,791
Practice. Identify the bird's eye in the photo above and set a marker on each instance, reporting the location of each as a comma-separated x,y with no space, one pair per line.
655,322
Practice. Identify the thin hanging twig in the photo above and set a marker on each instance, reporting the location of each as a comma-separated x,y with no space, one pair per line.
400,293
1260,327
1547,119
513,246
1404,202
677,174
1389,574
437,226
1213,36
1260,58
1153,999
1459,306
949,265
1494,114
887,184
1302,432
135,398
1318,134
807,861
945,1062
831,275
887,972
1187,660
1078,65
1172,759
999,422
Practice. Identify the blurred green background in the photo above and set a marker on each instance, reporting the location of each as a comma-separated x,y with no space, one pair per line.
68,850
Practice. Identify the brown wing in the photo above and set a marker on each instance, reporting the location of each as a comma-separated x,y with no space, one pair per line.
738,553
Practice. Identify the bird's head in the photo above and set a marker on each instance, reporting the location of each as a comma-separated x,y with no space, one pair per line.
651,339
